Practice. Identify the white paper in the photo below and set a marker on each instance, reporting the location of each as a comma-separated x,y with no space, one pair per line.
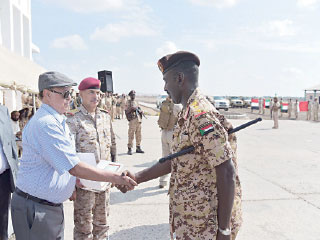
90,159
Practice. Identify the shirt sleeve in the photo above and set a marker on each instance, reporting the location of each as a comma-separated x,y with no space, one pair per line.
209,138
57,148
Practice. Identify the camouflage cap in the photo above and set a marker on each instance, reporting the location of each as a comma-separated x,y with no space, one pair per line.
169,61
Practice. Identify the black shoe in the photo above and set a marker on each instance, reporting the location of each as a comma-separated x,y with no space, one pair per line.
139,150
129,151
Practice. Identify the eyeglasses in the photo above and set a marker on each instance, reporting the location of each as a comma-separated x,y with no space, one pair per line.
65,95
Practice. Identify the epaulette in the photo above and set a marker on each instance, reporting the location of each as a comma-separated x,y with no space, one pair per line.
103,110
74,111
69,114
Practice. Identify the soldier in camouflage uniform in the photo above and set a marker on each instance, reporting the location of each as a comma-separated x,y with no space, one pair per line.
205,192
93,134
135,120
167,120
123,104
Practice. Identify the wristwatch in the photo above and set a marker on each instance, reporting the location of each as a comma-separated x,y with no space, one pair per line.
225,232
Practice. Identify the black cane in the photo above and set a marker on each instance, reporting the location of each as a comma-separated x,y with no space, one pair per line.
189,149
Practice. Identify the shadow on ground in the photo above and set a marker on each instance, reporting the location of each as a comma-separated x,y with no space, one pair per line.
145,232
119,197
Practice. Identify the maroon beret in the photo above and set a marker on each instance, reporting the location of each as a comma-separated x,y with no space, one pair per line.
89,83
169,61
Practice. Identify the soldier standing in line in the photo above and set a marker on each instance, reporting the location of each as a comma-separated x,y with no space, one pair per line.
167,120
270,108
315,109
123,104
275,111
118,107
205,192
309,110
108,101
260,106
114,109
295,108
134,116
281,107
290,108
93,133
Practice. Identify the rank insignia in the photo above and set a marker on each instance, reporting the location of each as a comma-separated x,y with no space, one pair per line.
200,115
206,128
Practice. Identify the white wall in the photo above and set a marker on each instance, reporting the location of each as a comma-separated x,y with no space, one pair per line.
15,20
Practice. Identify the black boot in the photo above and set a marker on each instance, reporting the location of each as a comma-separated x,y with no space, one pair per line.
129,151
139,150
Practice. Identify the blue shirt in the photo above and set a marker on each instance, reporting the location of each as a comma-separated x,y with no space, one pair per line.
48,155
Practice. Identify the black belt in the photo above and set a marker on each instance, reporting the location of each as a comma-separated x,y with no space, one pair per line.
35,199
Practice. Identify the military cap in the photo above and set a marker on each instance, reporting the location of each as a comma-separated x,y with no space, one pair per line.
54,79
89,83
169,61
132,92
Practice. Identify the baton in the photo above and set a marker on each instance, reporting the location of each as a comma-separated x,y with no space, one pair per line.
191,148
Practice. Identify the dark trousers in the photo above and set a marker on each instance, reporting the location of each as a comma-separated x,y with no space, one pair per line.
4,203
35,221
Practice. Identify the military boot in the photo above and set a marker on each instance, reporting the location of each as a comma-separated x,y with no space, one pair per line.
139,150
129,151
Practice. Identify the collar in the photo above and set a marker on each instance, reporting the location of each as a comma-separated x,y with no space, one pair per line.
60,117
85,111
194,95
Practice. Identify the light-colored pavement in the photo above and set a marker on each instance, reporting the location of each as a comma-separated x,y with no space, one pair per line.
279,171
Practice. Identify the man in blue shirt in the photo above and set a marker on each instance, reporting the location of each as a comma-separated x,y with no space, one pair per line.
49,165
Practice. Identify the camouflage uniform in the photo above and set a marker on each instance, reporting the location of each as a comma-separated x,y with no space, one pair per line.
315,109
108,102
134,125
193,188
118,107
275,109
94,135
123,105
309,110
295,109
114,110
167,120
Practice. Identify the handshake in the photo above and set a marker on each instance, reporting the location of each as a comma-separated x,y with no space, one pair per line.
130,182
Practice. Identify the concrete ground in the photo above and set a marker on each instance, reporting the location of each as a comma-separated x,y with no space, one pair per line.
279,171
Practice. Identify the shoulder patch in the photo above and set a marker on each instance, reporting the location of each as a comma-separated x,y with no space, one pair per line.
206,128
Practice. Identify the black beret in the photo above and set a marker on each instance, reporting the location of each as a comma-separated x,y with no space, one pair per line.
169,61
132,92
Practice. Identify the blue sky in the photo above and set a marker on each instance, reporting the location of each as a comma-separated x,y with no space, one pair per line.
246,47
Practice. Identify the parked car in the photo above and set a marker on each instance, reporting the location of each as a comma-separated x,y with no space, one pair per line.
246,101
221,103
160,99
236,102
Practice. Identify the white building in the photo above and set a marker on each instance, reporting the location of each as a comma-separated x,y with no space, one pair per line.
17,70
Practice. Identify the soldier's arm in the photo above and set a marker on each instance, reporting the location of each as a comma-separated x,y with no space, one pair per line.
153,172
226,189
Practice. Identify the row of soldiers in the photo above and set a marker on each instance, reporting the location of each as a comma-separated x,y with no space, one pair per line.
293,109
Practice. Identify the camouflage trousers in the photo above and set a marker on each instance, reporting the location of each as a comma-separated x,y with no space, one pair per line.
91,210
122,111
134,129
166,141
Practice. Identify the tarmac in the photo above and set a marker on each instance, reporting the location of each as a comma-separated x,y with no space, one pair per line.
279,172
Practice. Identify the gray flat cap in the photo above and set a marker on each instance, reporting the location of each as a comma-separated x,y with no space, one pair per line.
54,79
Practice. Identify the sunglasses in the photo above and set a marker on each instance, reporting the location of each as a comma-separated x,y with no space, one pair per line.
65,95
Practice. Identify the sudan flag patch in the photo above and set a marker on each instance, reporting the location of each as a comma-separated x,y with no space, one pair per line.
206,128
